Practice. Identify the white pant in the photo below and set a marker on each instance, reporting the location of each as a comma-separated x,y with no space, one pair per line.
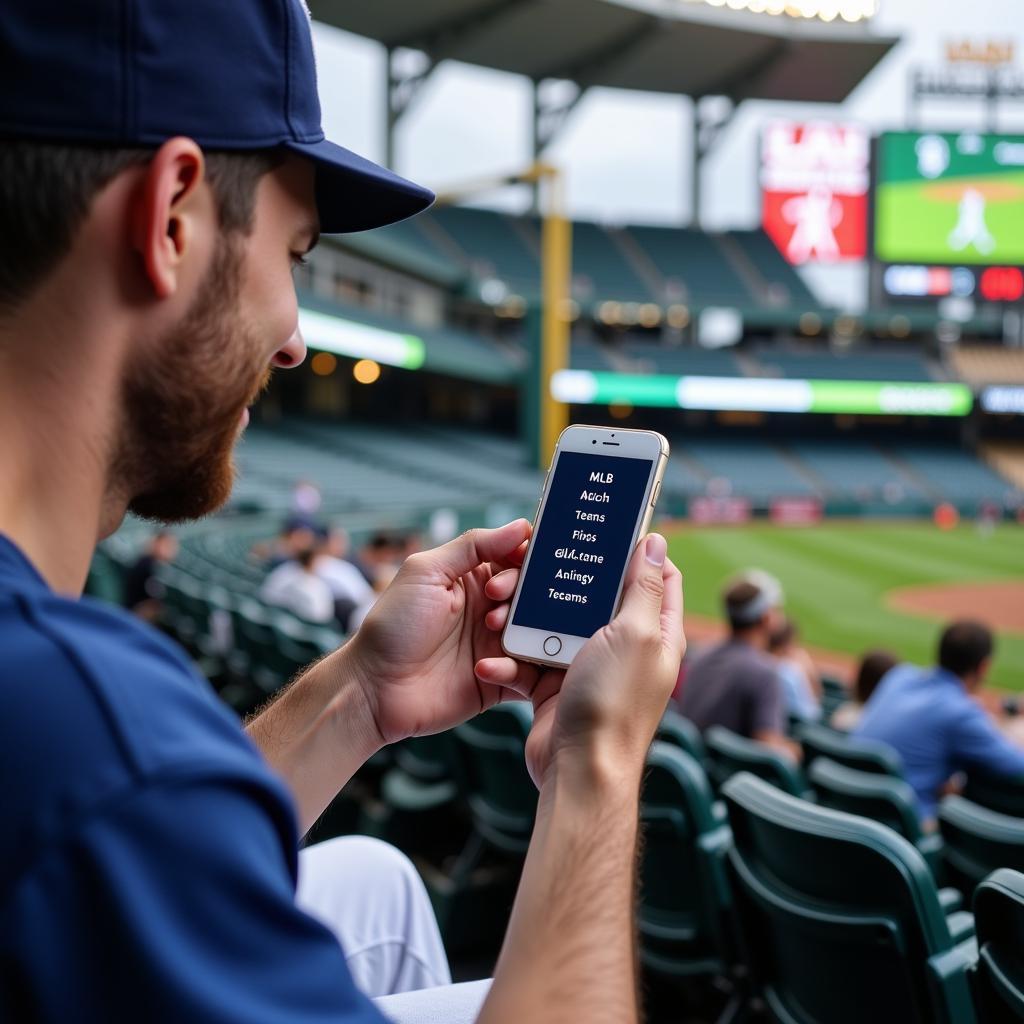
371,897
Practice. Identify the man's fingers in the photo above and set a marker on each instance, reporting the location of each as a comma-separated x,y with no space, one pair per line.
497,617
475,547
513,675
515,558
644,588
502,586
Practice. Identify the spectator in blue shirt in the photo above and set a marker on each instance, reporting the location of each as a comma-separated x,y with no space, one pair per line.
930,718
162,168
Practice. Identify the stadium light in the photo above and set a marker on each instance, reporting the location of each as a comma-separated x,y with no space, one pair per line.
752,394
823,10
366,371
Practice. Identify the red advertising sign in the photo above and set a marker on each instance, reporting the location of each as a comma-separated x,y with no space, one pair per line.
720,510
796,511
814,190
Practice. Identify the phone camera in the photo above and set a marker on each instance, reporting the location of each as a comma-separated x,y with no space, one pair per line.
594,441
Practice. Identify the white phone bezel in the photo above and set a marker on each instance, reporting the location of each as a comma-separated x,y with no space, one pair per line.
527,643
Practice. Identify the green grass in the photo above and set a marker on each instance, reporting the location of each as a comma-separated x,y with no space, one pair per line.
836,577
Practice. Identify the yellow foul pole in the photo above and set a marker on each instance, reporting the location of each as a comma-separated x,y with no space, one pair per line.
556,270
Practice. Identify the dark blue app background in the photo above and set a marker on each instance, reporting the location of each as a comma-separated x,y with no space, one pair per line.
582,544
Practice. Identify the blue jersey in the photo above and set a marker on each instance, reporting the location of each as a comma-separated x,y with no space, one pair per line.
147,854
937,729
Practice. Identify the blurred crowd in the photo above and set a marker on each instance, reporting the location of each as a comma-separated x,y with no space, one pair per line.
313,571
761,684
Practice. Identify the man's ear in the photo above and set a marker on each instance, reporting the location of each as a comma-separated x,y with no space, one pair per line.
165,220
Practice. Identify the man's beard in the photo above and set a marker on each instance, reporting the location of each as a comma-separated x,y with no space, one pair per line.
183,402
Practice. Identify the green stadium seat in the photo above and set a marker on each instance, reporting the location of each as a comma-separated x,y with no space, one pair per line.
997,793
424,775
840,920
860,754
882,798
681,733
997,979
729,754
256,641
684,891
834,694
977,841
502,797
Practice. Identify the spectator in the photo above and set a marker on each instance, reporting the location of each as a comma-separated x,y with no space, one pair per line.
801,684
348,586
378,559
294,537
142,590
873,666
929,717
295,585
735,684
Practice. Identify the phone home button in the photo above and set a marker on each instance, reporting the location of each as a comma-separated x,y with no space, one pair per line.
552,646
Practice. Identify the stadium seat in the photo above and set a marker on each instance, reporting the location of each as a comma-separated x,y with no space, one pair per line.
977,841
840,920
997,793
997,979
729,754
889,801
684,892
860,754
502,797
681,733
834,694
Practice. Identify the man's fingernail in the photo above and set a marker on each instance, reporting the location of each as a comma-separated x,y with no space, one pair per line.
656,549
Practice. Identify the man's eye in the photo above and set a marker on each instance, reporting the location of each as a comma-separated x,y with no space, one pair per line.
299,259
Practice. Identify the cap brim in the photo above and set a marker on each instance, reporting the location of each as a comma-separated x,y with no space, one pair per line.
355,194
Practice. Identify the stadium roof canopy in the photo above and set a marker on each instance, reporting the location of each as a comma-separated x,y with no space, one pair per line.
669,46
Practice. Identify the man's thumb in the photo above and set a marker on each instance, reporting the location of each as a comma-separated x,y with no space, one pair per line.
644,586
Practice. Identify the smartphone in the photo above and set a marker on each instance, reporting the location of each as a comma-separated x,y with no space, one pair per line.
598,499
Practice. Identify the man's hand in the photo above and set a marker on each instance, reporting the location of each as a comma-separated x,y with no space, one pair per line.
415,653
603,712
568,955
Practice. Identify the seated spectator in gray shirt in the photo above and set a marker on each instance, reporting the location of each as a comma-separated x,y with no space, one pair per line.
735,683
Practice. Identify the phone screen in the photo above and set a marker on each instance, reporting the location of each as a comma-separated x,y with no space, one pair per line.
582,543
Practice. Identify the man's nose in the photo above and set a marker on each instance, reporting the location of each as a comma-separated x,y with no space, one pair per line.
292,352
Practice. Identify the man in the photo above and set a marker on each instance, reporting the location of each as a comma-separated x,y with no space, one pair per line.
162,168
142,590
349,590
930,718
801,684
735,683
297,586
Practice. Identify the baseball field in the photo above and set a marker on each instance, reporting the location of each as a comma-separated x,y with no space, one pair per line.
852,586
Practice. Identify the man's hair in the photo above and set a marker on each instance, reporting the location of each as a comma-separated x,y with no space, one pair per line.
872,667
306,557
783,635
46,189
737,598
963,646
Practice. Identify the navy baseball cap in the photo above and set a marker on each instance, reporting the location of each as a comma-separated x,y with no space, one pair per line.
230,74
